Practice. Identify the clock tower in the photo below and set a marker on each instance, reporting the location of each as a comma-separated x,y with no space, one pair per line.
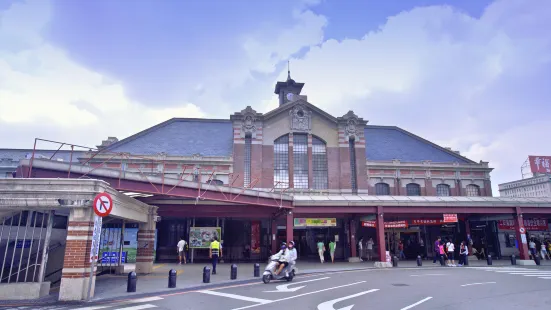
288,90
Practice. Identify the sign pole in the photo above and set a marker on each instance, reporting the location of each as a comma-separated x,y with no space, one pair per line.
90,281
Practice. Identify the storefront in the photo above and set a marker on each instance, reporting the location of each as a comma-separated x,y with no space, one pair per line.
537,230
309,231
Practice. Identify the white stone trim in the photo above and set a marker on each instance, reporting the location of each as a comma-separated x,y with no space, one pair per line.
79,237
77,270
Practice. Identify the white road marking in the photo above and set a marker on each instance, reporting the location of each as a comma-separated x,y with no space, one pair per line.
285,287
482,283
132,301
146,306
328,305
416,304
238,297
428,274
304,294
537,275
547,278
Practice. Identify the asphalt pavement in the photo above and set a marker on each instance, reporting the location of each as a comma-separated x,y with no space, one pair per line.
427,288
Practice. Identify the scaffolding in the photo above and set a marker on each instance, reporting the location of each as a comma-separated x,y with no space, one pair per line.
525,169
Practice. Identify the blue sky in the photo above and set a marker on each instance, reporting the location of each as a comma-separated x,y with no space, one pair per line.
473,74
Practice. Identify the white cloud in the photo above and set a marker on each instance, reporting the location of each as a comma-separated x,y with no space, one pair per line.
471,84
40,86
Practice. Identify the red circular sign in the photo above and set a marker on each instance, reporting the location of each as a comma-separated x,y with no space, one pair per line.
103,204
522,230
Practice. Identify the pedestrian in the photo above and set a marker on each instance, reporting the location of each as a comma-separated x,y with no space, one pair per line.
463,253
442,251
214,253
332,246
360,248
422,247
370,244
401,249
180,248
451,253
321,250
532,246
543,251
436,250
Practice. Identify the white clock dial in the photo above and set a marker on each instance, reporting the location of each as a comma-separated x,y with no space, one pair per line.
290,96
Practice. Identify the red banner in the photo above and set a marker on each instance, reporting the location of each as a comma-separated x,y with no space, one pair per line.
540,164
533,224
450,218
255,237
395,224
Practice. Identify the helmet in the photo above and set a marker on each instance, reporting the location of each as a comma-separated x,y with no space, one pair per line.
283,247
292,243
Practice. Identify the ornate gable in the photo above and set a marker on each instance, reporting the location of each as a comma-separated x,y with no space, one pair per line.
248,121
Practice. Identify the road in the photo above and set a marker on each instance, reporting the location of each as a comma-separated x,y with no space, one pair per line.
402,289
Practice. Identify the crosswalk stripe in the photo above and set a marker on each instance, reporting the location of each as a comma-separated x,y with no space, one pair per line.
537,275
547,278
131,301
139,307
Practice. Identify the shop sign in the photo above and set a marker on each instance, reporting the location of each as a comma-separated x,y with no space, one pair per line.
416,222
255,237
532,224
450,218
395,224
201,237
315,222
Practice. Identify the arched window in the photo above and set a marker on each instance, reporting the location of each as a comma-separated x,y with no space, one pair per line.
382,189
473,190
281,162
413,189
319,164
442,190
300,161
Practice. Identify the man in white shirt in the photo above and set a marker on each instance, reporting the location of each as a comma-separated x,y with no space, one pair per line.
451,252
370,248
360,248
181,247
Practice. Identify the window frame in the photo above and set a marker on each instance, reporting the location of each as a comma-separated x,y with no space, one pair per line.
382,186
410,187
472,188
441,186
320,169
281,162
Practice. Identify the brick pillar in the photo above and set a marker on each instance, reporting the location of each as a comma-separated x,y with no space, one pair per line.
397,190
274,236
310,166
380,228
146,242
487,188
76,264
522,240
290,223
291,162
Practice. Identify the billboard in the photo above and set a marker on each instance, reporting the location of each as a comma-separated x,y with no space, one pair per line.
315,222
200,237
540,164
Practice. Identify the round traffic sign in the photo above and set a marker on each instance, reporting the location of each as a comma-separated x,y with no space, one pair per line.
103,204
522,230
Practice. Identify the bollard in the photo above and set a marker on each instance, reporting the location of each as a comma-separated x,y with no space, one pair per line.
466,263
442,260
206,274
489,260
172,278
394,261
513,260
233,273
132,281
256,270
419,261
537,259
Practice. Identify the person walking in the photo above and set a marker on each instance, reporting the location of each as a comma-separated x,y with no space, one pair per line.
332,246
215,251
463,253
321,250
436,250
360,248
401,249
181,250
450,247
370,249
532,246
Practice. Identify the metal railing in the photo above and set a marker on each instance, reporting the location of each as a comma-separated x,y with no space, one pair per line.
12,225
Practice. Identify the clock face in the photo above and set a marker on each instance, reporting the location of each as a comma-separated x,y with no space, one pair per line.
289,96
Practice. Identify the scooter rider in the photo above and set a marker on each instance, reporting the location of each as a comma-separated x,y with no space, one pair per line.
284,256
292,253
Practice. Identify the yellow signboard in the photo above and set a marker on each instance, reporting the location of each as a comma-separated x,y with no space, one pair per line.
315,222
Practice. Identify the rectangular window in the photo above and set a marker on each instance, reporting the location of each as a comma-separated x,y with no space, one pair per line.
247,166
353,175
281,162
319,164
300,161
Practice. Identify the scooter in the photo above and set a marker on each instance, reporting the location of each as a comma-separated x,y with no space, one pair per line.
288,273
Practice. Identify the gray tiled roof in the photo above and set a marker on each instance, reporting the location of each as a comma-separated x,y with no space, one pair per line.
388,143
181,137
18,154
